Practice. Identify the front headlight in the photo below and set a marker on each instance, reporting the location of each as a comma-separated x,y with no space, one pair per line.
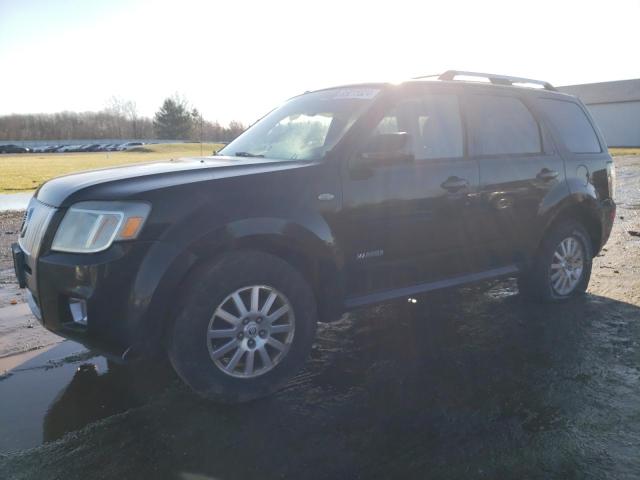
90,227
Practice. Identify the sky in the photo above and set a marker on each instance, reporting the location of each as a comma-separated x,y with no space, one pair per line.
235,59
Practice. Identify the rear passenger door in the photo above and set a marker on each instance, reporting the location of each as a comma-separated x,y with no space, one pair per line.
519,167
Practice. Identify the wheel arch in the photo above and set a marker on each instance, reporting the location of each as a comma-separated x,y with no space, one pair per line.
309,249
580,208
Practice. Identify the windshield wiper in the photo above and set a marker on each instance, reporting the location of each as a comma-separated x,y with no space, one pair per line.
247,154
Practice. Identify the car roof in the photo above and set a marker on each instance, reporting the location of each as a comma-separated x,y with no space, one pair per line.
439,81
489,87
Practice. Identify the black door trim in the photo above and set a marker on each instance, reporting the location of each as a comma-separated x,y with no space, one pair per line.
379,297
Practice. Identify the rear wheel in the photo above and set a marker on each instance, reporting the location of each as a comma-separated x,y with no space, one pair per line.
245,327
562,266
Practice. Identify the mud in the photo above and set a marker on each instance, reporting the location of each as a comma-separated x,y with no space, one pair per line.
473,383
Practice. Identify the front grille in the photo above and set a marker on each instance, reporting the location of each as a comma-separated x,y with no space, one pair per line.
34,227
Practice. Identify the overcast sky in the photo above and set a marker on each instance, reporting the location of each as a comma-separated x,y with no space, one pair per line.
238,59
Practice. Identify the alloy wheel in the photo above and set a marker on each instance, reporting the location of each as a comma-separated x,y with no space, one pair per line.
567,266
251,331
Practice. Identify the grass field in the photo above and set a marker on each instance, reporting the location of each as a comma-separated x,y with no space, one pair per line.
27,171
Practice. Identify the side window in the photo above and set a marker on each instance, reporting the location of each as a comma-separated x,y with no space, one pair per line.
433,122
439,128
502,126
388,124
572,125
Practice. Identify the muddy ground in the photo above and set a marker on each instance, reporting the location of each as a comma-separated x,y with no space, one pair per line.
473,383
20,333
10,223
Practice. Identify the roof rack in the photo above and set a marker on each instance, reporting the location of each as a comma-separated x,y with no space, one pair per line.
493,78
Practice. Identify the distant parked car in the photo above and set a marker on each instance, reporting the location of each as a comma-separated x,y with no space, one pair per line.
13,149
128,145
73,148
93,147
45,149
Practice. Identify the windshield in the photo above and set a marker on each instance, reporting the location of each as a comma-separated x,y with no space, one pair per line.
305,127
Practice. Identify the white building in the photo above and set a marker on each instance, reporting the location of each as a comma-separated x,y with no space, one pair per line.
615,106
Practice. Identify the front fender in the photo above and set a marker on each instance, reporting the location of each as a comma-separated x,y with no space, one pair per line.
312,238
157,288
307,243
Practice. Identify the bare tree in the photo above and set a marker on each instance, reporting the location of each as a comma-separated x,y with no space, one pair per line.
120,119
131,113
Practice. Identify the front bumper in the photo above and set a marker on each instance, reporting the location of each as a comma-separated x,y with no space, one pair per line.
106,282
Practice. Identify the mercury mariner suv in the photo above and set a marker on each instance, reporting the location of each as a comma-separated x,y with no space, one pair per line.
338,199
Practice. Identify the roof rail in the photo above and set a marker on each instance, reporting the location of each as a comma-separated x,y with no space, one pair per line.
493,78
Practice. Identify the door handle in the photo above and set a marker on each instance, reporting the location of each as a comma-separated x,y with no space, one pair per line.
453,184
545,174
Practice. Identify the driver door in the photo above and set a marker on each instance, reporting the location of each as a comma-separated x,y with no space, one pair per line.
406,220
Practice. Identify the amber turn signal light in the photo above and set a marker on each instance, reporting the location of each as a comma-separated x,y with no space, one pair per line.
131,228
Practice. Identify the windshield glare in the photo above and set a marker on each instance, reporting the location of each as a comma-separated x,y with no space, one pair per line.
305,127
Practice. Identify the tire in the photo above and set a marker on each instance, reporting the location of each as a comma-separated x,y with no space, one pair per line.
537,283
206,305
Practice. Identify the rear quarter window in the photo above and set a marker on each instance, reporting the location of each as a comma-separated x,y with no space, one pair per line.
571,124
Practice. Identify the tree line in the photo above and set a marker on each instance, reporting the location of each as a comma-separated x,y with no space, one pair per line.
175,120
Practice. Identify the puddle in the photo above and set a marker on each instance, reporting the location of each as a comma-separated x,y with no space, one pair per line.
14,201
27,393
61,390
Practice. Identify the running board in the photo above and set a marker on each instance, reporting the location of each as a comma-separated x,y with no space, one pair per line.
379,297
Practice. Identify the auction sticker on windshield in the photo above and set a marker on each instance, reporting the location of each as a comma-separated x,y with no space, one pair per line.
356,93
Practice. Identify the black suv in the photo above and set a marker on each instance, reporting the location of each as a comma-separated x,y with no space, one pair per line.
339,198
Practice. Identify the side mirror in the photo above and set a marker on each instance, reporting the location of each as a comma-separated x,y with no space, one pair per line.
387,148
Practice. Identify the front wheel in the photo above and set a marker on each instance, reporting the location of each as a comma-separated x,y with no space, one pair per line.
562,266
246,326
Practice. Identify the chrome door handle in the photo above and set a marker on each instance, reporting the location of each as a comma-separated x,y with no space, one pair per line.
453,184
545,174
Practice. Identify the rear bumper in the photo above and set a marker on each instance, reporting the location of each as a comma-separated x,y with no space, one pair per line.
609,215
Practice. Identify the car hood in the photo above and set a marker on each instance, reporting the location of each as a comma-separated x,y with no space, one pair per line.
95,184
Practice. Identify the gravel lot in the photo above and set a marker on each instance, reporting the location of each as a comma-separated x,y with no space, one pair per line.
9,228
10,223
473,383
